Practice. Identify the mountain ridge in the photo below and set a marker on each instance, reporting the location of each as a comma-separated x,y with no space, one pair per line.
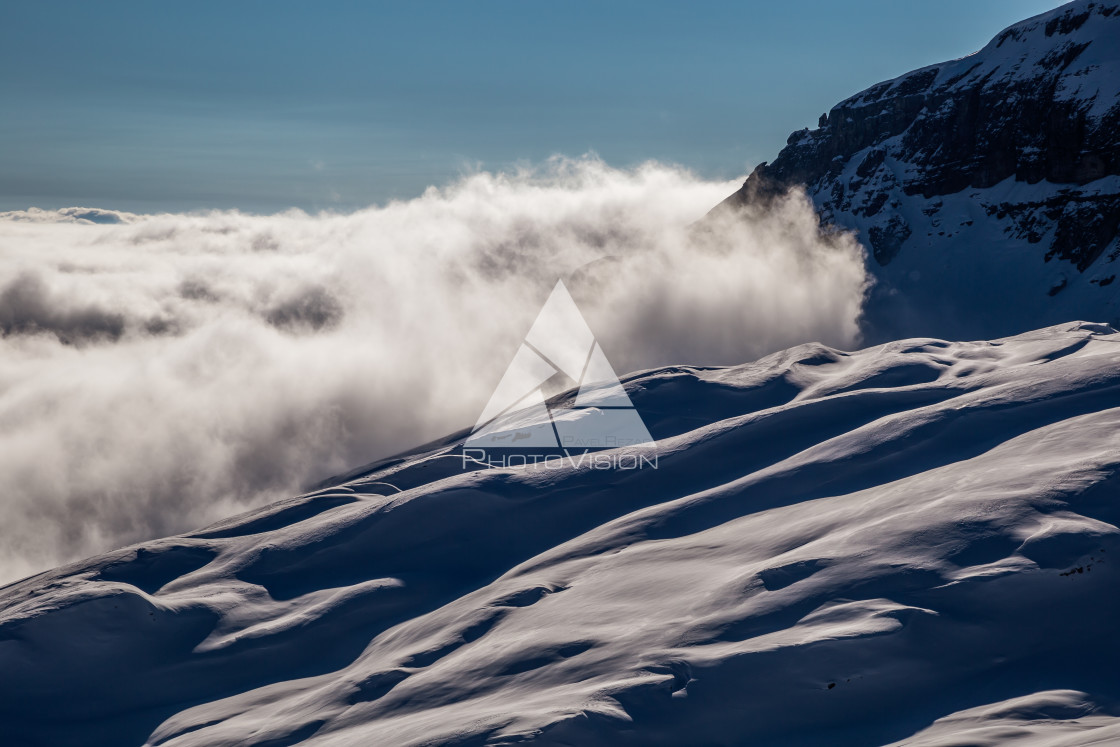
821,523
1002,167
913,543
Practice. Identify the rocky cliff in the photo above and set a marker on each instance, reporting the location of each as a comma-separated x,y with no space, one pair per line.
986,189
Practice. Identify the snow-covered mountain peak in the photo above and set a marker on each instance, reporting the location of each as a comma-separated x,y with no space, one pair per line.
986,189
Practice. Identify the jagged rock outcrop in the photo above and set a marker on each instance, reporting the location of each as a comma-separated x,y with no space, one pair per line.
986,189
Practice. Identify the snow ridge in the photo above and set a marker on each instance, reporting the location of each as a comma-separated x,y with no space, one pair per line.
836,548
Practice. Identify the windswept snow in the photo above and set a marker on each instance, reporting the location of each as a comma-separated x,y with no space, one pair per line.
914,544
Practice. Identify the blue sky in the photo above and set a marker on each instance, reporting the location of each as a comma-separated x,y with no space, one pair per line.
265,105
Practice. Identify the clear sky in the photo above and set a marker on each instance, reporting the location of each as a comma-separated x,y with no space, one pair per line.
261,105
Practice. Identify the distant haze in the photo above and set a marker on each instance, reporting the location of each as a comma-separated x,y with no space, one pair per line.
262,106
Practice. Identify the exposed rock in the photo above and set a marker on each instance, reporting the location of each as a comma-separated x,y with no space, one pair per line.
1012,151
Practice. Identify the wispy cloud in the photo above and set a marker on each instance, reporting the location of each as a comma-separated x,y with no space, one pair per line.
159,372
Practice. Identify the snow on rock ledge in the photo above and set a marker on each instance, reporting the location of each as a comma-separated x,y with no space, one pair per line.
986,189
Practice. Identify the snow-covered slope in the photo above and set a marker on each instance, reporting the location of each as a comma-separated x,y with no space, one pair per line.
986,189
912,542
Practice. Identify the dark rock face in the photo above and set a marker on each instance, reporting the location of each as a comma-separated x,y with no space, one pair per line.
1015,147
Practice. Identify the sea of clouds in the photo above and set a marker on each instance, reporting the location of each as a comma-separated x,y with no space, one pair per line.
159,372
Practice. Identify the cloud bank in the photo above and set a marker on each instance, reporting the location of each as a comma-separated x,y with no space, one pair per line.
160,372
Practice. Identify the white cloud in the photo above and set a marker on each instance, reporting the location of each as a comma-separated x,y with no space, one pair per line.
159,372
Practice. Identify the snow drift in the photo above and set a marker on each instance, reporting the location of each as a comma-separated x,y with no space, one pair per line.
912,542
